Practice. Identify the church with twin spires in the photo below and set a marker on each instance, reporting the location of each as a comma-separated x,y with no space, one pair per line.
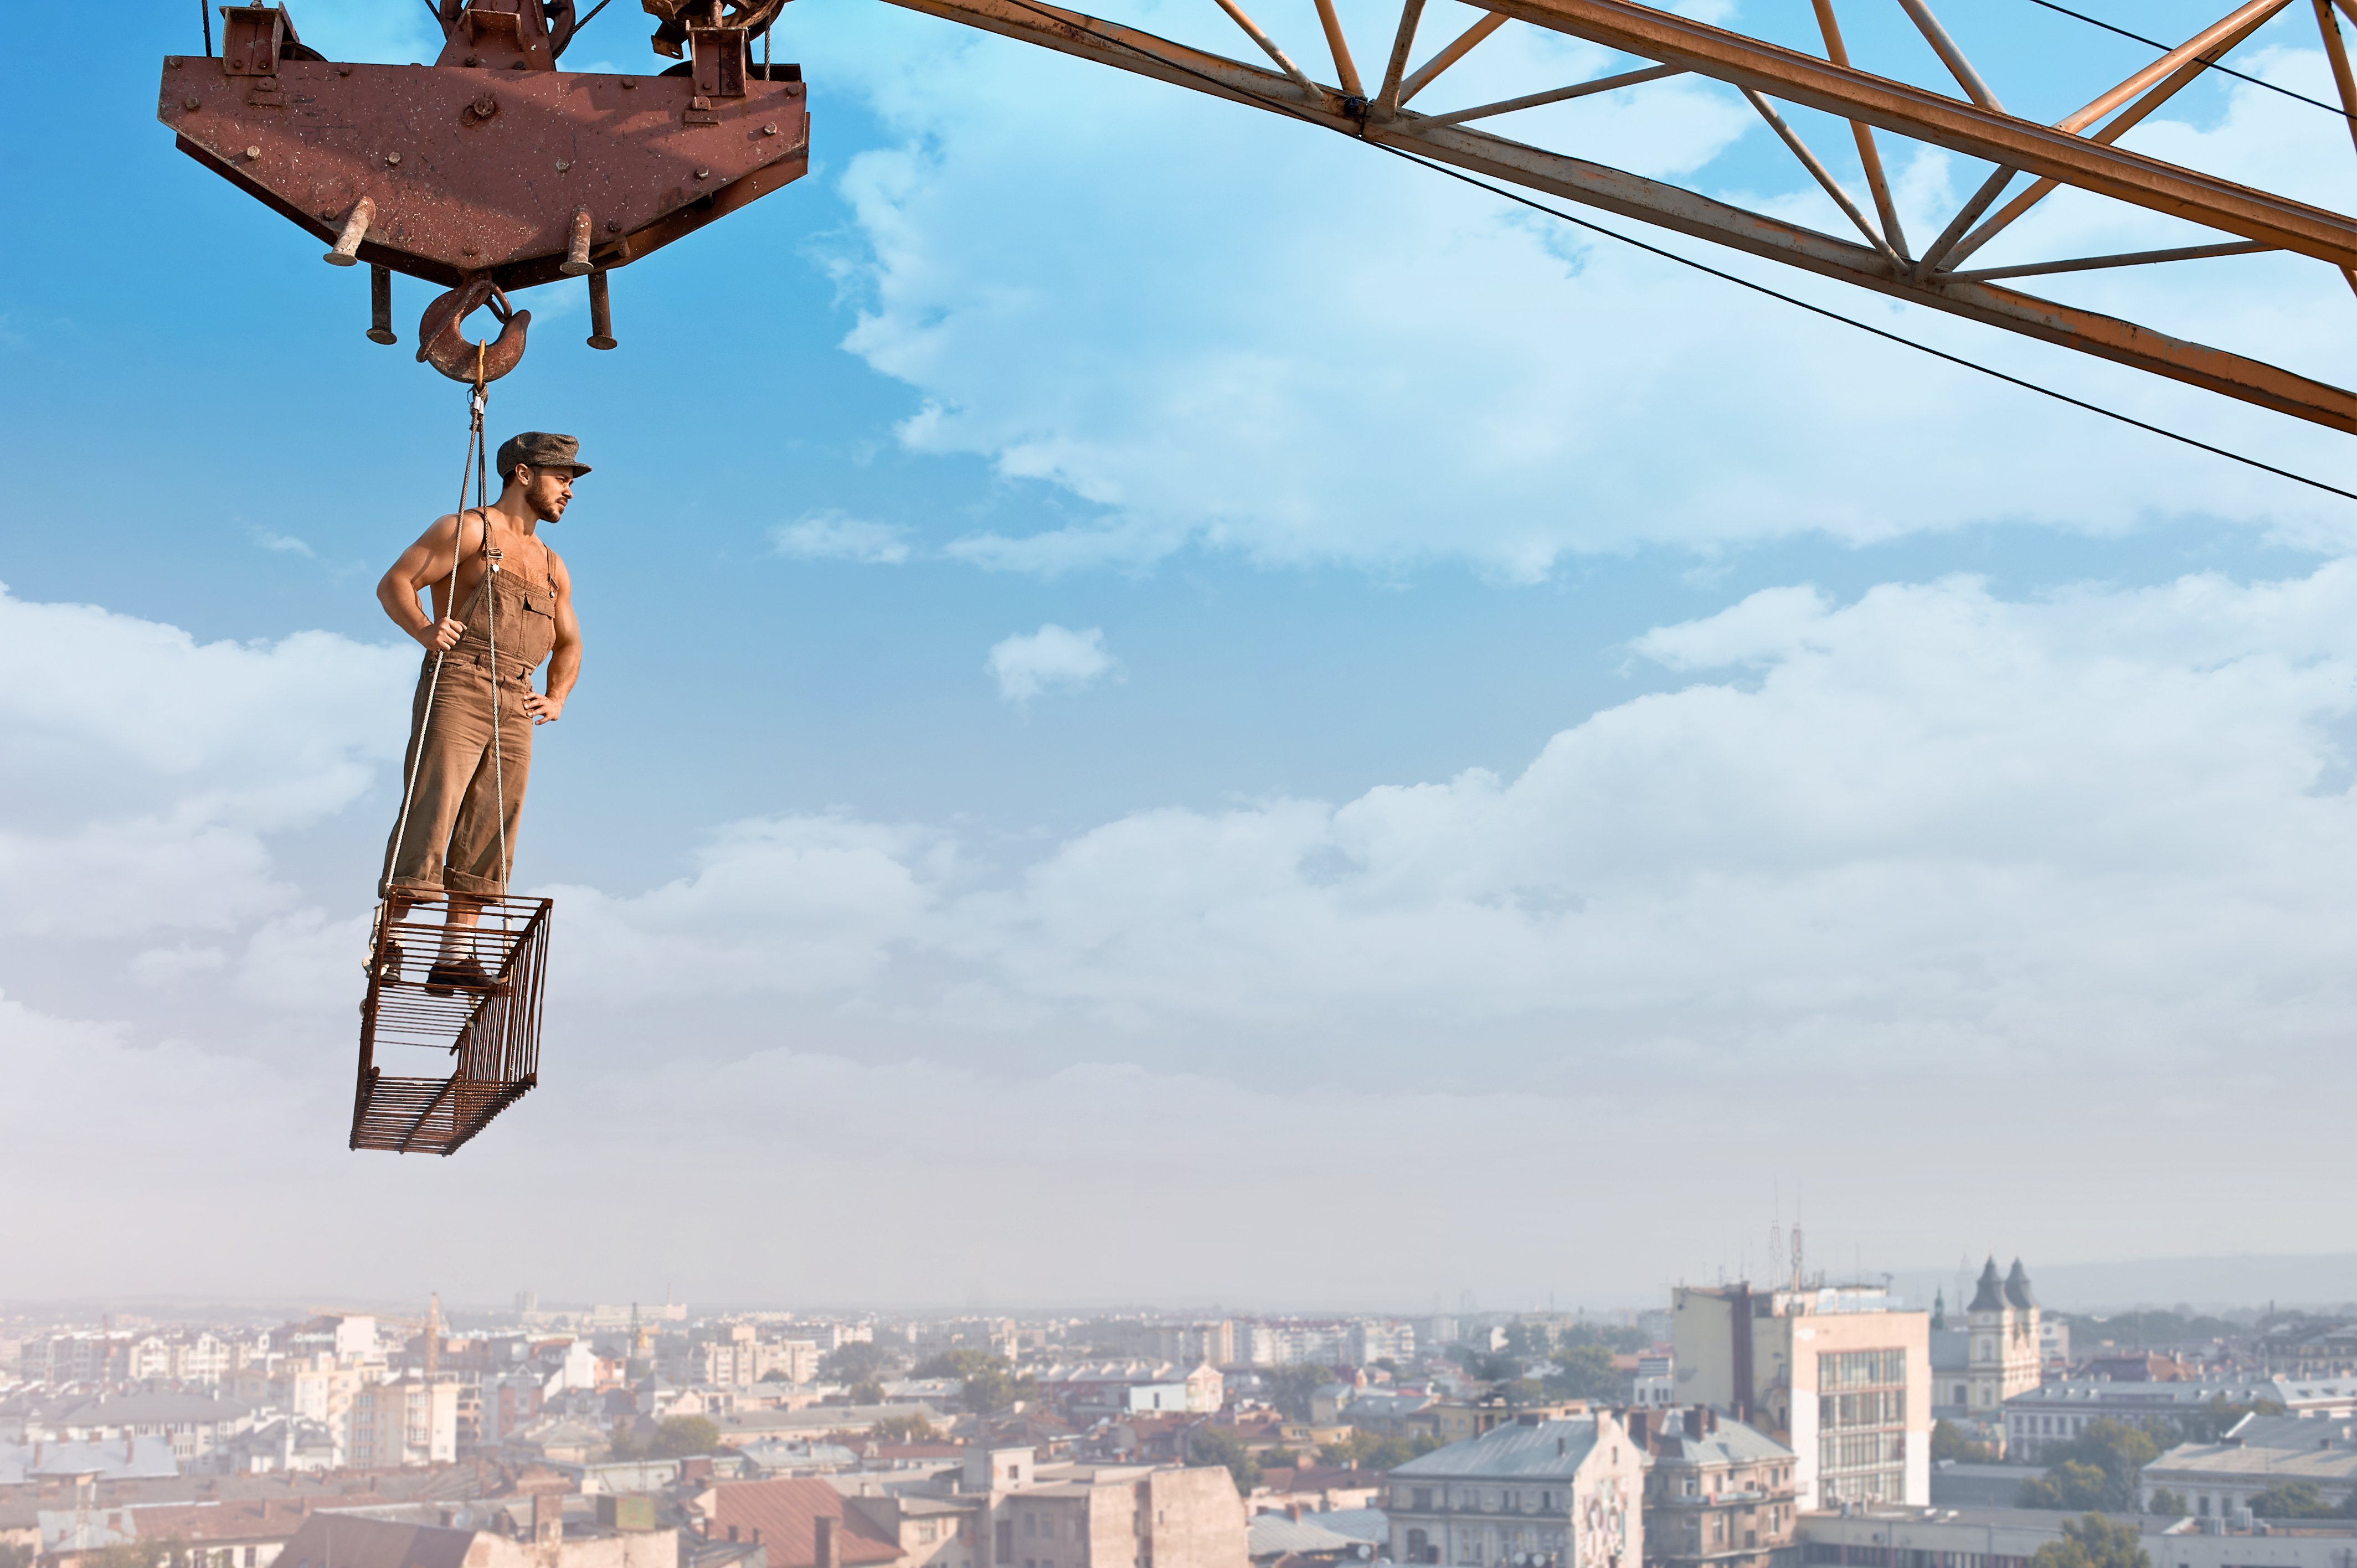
2002,1325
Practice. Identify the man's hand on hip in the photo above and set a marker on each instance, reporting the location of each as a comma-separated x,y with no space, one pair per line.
543,709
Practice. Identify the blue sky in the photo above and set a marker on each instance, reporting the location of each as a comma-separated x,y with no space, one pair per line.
1149,660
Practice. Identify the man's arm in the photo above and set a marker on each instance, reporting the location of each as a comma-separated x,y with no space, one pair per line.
421,566
565,659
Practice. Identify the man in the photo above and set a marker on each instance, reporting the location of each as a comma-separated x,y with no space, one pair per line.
468,756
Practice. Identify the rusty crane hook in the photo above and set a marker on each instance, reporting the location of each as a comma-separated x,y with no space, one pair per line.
441,345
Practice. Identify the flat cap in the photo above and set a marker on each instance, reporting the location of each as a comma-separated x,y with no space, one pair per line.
541,449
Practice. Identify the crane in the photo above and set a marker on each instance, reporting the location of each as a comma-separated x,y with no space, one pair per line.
493,169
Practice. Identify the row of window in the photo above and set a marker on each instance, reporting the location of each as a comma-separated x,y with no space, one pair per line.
1861,1368
1821,1554
1860,1451
1483,1499
1884,1409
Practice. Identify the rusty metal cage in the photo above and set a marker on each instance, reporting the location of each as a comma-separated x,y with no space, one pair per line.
489,1028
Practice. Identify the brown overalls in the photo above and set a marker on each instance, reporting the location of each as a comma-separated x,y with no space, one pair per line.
452,839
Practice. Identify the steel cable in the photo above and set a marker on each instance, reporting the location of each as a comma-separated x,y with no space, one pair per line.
1291,111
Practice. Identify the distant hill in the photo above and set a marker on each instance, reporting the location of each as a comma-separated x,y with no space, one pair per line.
2207,1284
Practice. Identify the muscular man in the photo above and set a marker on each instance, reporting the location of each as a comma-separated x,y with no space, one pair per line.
457,838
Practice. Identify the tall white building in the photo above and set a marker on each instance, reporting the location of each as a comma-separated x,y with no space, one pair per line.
1840,1375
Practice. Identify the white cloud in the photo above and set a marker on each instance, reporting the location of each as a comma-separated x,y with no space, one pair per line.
144,769
1052,659
1930,865
283,543
834,536
1357,361
1924,831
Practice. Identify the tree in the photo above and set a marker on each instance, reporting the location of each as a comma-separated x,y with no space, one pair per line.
990,1385
1531,1341
2097,1469
1949,1442
1221,1445
1623,1340
678,1437
1584,1372
1290,1389
857,1361
867,1391
2292,1499
912,1428
2168,1504
1372,1451
2093,1542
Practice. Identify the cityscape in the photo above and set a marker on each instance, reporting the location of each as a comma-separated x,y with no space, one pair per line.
1805,1420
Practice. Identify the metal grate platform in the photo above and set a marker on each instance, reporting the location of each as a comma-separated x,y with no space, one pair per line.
488,1029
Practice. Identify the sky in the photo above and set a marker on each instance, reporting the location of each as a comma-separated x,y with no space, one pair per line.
1178,711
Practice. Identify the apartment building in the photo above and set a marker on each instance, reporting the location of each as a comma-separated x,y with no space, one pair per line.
402,1420
1841,1375
1537,1491
1719,1493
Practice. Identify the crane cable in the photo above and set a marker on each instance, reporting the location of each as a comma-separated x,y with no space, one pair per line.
2206,65
477,467
1290,111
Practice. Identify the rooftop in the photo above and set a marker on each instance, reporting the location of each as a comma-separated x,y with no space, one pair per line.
1544,1450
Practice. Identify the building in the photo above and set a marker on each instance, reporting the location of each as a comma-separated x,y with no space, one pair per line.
1718,1493
404,1420
1653,1385
356,1540
2003,1325
1842,1376
2261,1452
1563,1492
1882,1537
2057,1413
1064,1515
1004,1510
190,1425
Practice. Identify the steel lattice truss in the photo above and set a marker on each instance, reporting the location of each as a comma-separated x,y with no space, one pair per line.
2032,158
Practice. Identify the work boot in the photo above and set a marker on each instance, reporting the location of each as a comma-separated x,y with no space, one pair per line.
462,974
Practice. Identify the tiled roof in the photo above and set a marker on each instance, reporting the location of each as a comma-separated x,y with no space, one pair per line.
359,1542
787,1512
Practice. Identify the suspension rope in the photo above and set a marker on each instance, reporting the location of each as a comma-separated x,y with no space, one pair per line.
472,468
492,625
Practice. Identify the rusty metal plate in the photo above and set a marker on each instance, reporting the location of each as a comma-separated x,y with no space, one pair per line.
479,171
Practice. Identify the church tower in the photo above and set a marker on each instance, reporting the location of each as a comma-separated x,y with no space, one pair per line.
2003,1324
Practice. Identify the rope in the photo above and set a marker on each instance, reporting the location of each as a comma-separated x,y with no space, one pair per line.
434,686
491,624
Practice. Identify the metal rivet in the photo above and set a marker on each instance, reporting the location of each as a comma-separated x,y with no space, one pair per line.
343,70
704,173
564,164
253,152
472,61
613,225
392,158
630,82
769,130
187,103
